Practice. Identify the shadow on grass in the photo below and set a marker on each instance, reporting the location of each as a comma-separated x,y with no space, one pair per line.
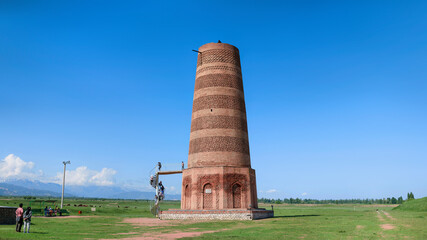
37,233
292,216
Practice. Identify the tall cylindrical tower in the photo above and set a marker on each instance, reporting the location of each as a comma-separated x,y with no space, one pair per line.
219,173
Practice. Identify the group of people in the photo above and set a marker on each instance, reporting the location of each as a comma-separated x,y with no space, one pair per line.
160,189
23,217
49,212
160,193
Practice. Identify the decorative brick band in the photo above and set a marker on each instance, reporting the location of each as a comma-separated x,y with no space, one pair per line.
219,101
235,70
218,91
218,111
211,122
219,144
219,80
219,132
215,159
219,55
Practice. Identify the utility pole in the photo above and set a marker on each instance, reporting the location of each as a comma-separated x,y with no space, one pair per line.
63,182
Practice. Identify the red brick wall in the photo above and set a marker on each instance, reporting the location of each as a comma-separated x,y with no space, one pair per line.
219,87
219,155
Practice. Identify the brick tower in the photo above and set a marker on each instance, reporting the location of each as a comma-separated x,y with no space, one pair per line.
219,174
219,181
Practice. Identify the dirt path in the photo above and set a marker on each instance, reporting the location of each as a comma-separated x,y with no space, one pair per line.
174,235
386,226
388,215
154,222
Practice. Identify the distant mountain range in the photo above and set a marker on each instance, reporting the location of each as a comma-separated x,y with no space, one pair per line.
37,188
7,189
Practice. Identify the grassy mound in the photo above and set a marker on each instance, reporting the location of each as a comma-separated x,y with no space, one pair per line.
419,205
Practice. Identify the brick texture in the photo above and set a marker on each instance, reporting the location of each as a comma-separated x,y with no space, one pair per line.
219,80
219,173
243,214
219,144
212,122
219,55
219,101
235,70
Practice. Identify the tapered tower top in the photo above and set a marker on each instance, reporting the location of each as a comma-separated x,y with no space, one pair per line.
219,134
219,44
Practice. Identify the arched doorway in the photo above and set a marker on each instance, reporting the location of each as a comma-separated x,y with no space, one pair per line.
237,196
187,197
207,196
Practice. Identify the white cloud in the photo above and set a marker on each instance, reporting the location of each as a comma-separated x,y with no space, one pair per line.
304,194
271,191
104,178
13,167
85,176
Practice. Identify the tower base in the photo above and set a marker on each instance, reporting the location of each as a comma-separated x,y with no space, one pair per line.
222,214
214,188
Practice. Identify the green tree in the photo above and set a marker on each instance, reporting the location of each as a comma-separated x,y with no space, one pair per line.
400,200
393,200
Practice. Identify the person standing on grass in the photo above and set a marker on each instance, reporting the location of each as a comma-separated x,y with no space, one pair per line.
50,211
27,220
19,219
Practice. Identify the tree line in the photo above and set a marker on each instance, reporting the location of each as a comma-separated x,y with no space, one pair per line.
391,200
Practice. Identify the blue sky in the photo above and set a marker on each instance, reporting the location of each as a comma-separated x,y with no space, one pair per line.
335,91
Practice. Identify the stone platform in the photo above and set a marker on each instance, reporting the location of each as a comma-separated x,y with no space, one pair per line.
222,214
7,215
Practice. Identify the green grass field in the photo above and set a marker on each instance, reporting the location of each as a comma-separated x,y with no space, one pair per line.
111,221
